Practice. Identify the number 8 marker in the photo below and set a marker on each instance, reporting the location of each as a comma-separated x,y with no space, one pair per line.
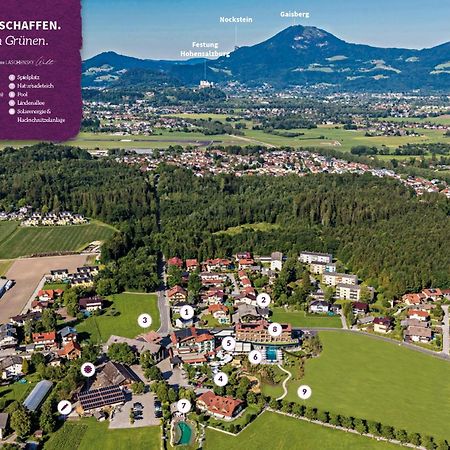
275,329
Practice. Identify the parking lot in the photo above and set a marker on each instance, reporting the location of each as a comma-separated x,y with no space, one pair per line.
121,418
27,273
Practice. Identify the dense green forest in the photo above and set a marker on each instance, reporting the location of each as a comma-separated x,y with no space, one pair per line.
378,228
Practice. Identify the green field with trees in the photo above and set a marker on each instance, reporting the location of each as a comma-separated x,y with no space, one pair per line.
360,376
88,434
286,433
120,317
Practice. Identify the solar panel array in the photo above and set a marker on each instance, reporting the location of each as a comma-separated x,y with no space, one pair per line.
97,398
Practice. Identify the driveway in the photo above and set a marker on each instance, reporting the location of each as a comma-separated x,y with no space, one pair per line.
445,331
121,418
175,377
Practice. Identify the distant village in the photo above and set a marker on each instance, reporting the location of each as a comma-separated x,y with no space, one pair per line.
275,163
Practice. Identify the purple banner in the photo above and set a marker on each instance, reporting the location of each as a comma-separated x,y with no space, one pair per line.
40,69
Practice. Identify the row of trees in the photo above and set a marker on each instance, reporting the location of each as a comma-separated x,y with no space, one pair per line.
362,426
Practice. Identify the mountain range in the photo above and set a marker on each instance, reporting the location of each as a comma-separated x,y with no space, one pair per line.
296,56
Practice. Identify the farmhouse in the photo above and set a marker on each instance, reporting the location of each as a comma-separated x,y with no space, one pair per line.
319,307
177,294
382,324
71,350
221,407
432,294
44,340
360,308
413,299
90,304
114,374
220,313
192,265
11,367
420,315
213,265
418,334
175,261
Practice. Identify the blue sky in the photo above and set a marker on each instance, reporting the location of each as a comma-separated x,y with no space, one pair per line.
159,29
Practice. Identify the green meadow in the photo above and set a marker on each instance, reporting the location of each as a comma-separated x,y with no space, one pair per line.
128,307
360,376
277,432
16,241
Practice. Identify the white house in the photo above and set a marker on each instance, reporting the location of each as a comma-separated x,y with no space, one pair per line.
319,307
309,257
11,367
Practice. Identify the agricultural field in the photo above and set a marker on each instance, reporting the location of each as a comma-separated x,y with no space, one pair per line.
301,319
128,306
274,431
88,434
359,376
16,241
5,264
328,136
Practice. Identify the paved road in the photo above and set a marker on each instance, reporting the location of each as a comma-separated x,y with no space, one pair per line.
163,303
343,320
439,355
446,331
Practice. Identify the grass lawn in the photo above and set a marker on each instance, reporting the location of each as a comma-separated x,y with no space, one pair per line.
301,319
55,286
89,434
22,241
18,391
129,306
261,226
5,264
277,432
363,377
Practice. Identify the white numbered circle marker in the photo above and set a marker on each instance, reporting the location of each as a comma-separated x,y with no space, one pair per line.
221,379
255,357
184,406
275,329
145,320
263,300
228,344
187,312
88,369
304,392
64,407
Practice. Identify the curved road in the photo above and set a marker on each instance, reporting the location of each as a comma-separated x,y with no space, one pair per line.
284,382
